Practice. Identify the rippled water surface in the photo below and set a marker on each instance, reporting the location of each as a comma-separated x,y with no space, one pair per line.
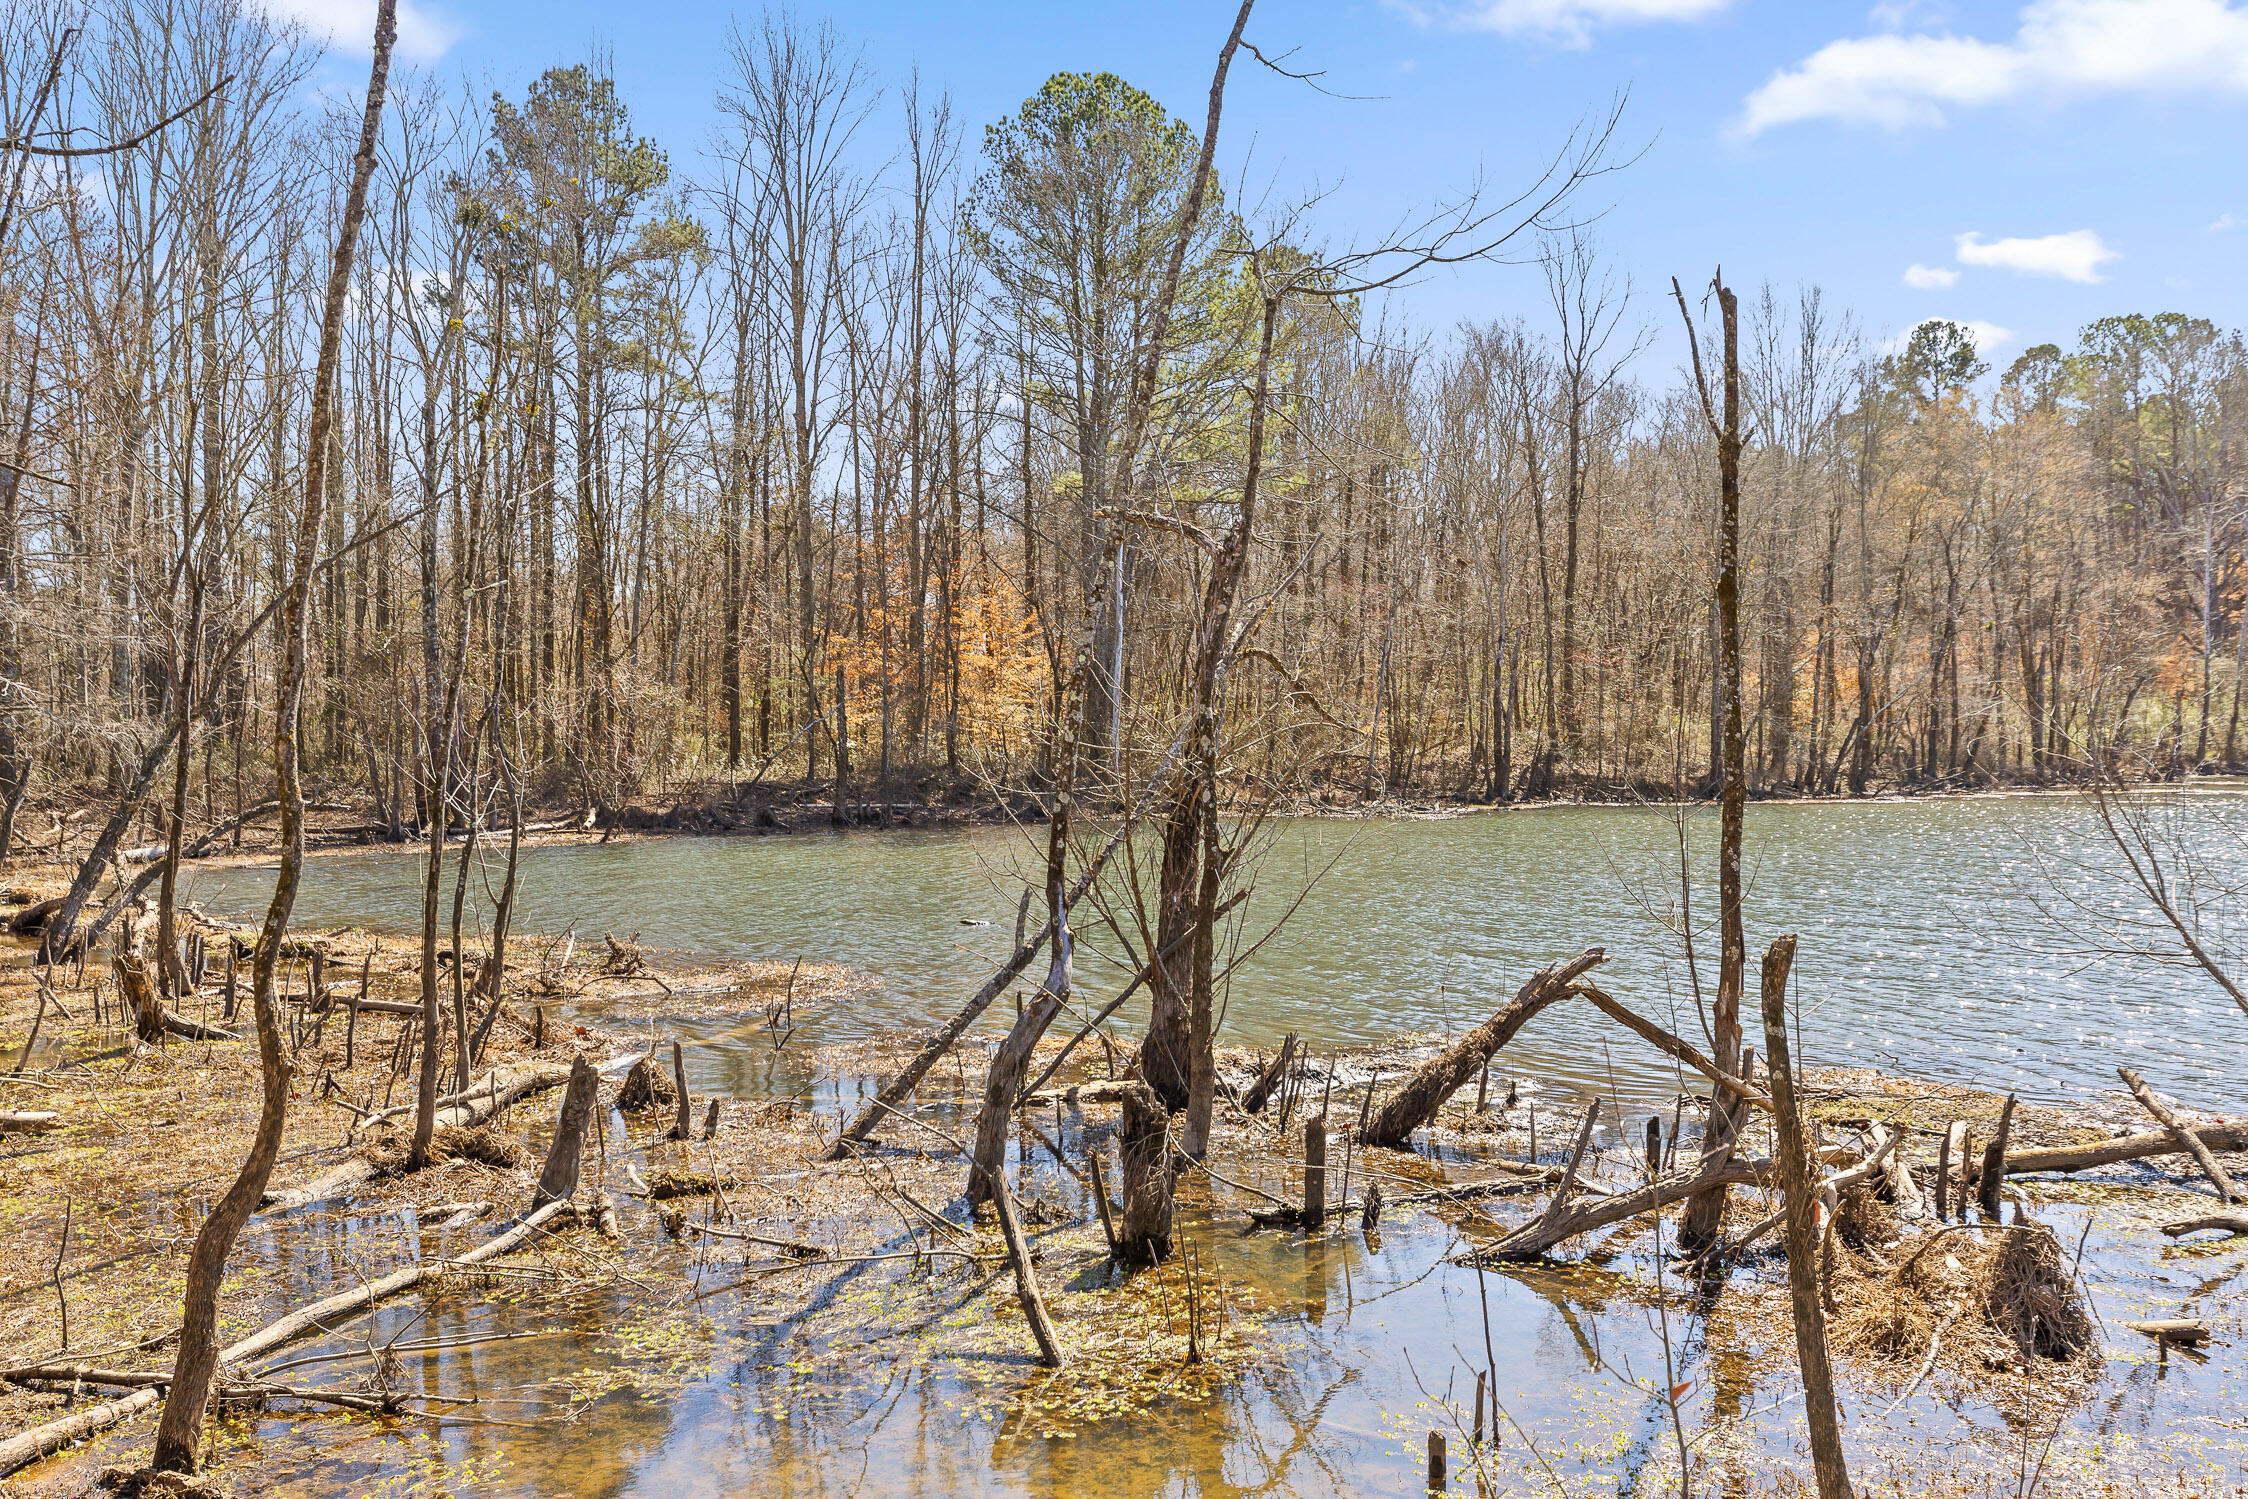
1923,944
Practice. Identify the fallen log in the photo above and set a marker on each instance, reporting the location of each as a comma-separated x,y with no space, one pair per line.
465,1111
1539,1235
28,1447
82,1374
2226,1137
462,1213
1671,1046
34,1123
177,1024
1094,1092
483,1088
2190,1332
327,1002
2227,1191
1436,1080
794,1248
2231,1223
1529,1179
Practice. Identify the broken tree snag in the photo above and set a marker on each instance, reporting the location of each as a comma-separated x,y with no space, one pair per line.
558,1179
1144,1146
1954,1148
1993,1174
1671,1046
1801,1206
1436,1080
2230,1223
1026,1278
1010,1064
1315,1172
1701,1229
1260,1091
683,1126
1970,1166
646,1087
1903,1190
2227,1190
131,969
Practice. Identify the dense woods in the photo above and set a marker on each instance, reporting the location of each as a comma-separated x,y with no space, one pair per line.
789,457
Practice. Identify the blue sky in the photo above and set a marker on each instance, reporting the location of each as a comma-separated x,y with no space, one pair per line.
2027,167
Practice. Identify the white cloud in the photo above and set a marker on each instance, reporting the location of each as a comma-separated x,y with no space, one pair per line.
423,35
2224,221
2061,48
1930,277
1568,21
1987,336
2074,256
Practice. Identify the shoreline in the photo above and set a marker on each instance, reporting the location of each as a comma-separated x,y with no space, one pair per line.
814,818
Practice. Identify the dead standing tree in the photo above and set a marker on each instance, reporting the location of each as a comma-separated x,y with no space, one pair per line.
178,1434
1707,1209
1799,1182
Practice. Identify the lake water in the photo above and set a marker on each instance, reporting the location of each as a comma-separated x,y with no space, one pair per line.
1925,946
1922,948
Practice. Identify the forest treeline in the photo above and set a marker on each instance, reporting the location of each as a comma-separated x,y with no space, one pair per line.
786,454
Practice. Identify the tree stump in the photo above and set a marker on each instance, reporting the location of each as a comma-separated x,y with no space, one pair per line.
1144,1144
558,1179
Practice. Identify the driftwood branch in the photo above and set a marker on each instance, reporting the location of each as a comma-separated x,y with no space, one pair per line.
1539,1235
2227,1189
2230,1223
2226,1137
1671,1046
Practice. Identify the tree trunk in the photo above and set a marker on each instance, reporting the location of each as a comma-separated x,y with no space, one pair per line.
1707,1210
1434,1081
1798,1181
178,1434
